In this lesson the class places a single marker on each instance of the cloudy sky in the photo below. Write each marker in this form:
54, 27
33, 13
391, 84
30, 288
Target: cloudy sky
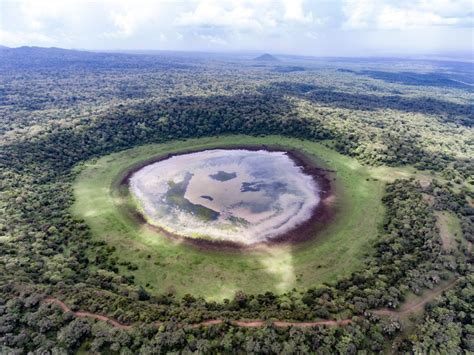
310, 27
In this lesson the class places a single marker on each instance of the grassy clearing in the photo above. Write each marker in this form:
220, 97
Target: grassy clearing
166, 265
449, 229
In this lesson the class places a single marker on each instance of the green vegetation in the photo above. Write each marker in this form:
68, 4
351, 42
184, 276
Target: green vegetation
401, 145
446, 326
175, 197
223, 176
166, 265
449, 229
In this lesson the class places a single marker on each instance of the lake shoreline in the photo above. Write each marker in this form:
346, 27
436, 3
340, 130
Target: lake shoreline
321, 215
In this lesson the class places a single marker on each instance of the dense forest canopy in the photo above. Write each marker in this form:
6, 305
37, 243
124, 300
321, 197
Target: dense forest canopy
60, 108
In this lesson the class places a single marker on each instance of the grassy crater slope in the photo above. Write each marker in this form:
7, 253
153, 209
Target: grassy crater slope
166, 265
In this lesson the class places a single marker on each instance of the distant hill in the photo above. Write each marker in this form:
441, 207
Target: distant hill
40, 57
47, 57
267, 58
288, 69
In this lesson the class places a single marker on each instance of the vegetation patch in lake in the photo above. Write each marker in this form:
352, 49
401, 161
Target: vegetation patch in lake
223, 176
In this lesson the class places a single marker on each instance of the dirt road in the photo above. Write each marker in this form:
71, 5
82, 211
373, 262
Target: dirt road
408, 307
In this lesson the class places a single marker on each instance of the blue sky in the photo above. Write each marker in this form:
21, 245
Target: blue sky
309, 27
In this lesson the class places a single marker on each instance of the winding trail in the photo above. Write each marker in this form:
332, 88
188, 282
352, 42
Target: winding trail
84, 314
407, 308
239, 323
417, 305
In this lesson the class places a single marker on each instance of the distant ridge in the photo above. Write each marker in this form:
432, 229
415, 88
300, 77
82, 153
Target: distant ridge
54, 58
267, 58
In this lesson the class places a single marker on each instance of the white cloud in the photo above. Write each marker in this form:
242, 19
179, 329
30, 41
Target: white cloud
214, 13
289, 26
358, 13
220, 22
121, 18
212, 39
37, 15
127, 22
313, 35
395, 18
401, 15
448, 8
129, 16
294, 11
258, 15
15, 39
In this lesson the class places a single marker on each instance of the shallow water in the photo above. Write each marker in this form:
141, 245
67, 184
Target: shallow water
234, 195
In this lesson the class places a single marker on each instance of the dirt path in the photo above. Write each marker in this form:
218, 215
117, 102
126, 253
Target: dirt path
408, 307
83, 314
330, 323
239, 323
415, 305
